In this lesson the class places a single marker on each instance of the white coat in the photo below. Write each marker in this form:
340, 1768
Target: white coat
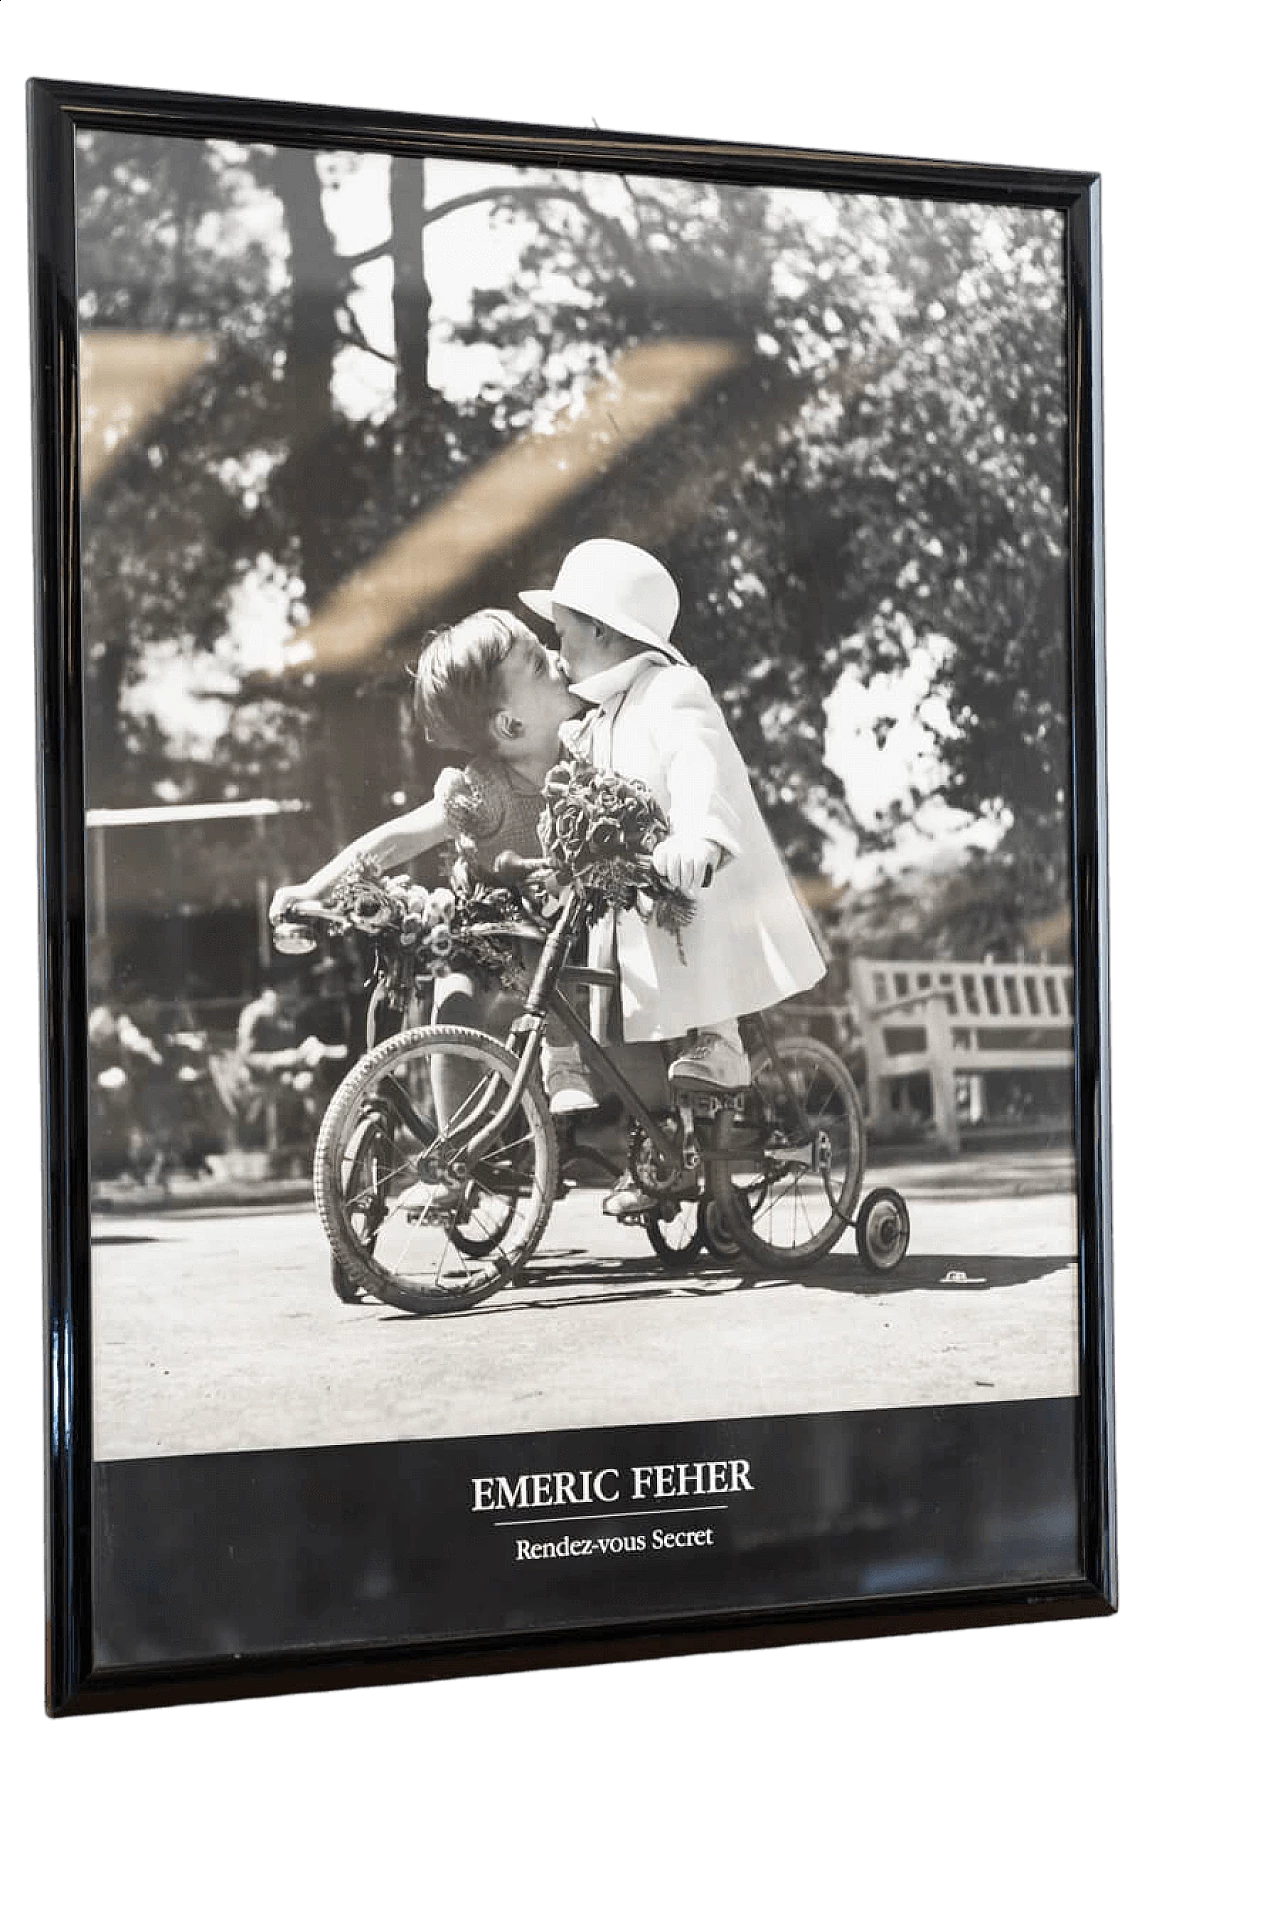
749, 944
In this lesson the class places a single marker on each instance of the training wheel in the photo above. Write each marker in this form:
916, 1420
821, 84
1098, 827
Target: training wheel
715, 1230
882, 1229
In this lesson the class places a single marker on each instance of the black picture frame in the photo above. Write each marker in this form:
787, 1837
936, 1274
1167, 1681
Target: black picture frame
235, 1492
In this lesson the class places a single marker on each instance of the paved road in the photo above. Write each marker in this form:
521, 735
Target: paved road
218, 1331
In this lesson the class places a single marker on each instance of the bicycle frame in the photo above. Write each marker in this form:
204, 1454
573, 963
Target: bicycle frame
727, 1151
543, 998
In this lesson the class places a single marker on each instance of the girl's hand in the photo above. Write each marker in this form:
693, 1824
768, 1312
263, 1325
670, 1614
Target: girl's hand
284, 899
685, 864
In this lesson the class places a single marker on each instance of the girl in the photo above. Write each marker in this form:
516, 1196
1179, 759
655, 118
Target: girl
487, 686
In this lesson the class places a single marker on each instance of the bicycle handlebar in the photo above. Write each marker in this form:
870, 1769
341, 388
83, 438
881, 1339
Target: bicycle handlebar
291, 932
308, 910
512, 870
664, 886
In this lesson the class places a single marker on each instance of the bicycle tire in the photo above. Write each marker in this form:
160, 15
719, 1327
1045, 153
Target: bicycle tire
362, 1144
883, 1230
746, 1207
717, 1239
457, 1280
675, 1255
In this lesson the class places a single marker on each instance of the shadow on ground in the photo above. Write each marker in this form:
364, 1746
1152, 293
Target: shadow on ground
543, 1286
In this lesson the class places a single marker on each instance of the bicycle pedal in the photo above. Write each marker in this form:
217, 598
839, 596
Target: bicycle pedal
704, 1103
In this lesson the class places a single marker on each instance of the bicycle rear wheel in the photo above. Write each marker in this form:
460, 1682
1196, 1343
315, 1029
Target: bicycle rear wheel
788, 1183
439, 1221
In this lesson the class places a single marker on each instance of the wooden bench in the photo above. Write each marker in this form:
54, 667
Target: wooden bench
955, 1018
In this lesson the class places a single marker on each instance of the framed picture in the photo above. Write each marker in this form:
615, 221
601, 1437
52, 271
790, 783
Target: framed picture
574, 874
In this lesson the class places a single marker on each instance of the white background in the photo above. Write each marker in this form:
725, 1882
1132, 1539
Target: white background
1102, 1767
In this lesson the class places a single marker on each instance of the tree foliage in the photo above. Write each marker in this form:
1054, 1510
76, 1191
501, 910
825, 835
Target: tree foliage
895, 474
917, 487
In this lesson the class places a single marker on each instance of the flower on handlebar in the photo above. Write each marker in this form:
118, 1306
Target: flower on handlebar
365, 904
422, 933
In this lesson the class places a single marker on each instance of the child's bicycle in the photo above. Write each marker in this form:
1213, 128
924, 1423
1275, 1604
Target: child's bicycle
434, 1219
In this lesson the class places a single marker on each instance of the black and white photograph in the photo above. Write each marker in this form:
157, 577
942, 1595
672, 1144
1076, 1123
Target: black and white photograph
343, 418
585, 716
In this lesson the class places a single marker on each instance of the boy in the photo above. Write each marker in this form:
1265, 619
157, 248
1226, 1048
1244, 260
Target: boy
653, 717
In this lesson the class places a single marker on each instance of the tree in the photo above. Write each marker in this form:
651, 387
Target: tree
916, 489
889, 472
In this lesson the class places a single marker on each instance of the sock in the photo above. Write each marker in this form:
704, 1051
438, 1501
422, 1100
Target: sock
726, 1030
566, 1056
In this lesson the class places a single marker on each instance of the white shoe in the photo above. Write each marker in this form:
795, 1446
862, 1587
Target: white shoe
566, 1082
433, 1204
710, 1060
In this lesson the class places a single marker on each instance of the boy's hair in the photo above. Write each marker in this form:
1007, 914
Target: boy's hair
457, 687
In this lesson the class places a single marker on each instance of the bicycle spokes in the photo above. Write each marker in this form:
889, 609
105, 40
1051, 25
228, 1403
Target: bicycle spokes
788, 1188
447, 1194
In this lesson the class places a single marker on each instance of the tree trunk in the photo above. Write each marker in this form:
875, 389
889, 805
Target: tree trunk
414, 421
318, 285
410, 300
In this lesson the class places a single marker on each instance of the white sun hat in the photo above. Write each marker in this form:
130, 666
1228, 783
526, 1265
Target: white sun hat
621, 586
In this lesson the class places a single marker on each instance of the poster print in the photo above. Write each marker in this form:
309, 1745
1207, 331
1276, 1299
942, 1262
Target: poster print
585, 1010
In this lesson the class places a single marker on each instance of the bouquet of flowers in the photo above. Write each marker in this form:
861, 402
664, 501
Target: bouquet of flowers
597, 831
430, 929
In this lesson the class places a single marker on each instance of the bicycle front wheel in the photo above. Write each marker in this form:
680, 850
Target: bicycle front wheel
361, 1188
445, 1211
785, 1183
